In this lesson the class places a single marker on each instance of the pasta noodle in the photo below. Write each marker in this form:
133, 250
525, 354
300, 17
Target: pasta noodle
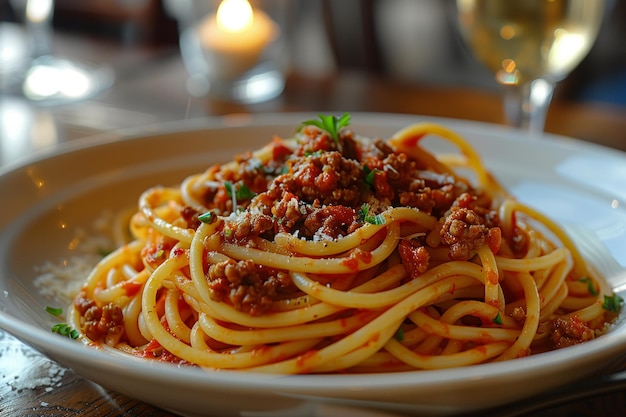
333, 252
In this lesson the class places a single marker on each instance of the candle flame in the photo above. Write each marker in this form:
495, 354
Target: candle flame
38, 10
234, 15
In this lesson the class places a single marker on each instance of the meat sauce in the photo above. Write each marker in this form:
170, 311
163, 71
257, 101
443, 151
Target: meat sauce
317, 190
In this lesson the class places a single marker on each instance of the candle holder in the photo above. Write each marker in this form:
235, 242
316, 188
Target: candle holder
234, 50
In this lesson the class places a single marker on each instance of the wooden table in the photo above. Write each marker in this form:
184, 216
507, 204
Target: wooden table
31, 384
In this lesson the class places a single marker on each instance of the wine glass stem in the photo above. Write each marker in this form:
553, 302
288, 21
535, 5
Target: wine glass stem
526, 105
38, 16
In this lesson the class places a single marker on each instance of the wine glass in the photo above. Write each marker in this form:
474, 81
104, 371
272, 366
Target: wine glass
43, 77
530, 45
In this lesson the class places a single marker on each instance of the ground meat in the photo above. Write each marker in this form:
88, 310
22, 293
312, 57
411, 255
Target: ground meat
330, 221
248, 223
321, 185
315, 191
376, 149
350, 149
480, 205
83, 303
405, 183
440, 191
414, 257
103, 321
328, 178
518, 314
312, 139
191, 217
520, 241
156, 253
288, 210
464, 231
253, 174
310, 221
569, 331
248, 287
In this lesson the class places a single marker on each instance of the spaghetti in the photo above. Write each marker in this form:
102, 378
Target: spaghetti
332, 252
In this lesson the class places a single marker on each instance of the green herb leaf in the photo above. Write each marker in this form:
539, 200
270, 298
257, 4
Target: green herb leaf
229, 188
364, 211
377, 219
208, 217
313, 153
330, 124
55, 311
240, 193
369, 175
590, 285
65, 330
244, 193
230, 191
612, 303
400, 334
365, 216
497, 319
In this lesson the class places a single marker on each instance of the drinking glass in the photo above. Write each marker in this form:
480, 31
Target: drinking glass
234, 50
41, 76
529, 45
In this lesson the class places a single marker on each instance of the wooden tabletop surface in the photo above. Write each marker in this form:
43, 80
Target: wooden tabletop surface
33, 385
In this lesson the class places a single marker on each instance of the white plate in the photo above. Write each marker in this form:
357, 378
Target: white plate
46, 198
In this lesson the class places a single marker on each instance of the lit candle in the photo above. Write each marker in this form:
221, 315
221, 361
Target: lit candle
235, 37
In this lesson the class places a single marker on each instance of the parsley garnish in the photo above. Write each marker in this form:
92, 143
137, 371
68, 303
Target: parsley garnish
497, 319
377, 219
369, 175
363, 212
238, 194
65, 330
62, 328
365, 216
590, 287
55, 311
229, 192
330, 124
244, 193
400, 334
612, 303
208, 217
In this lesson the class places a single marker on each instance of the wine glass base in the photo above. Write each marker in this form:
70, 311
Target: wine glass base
54, 81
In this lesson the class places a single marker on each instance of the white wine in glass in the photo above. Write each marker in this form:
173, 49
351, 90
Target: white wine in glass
529, 45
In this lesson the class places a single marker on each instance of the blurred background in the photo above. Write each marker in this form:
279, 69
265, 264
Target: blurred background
351, 55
